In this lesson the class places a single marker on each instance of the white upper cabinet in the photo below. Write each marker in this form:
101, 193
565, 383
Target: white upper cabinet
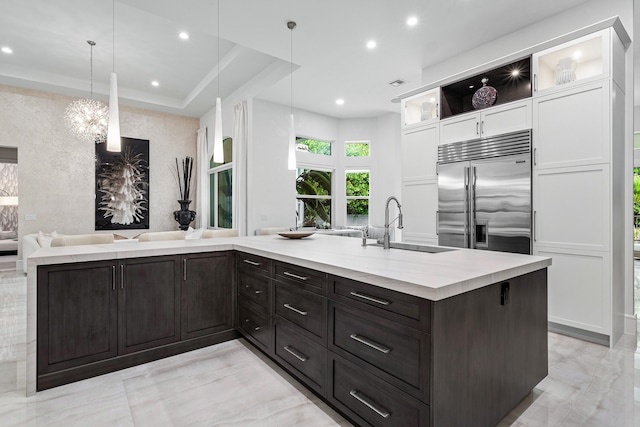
421, 108
497, 120
579, 61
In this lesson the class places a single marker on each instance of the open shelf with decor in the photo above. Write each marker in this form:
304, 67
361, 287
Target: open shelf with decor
501, 85
421, 108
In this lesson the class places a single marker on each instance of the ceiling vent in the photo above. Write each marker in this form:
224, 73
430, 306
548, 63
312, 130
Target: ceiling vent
397, 83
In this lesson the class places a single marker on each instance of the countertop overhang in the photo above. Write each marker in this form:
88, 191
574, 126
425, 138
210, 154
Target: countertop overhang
433, 276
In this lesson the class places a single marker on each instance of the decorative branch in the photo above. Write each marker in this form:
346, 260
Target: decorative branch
183, 178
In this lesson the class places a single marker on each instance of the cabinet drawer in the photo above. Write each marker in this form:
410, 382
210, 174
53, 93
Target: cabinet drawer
392, 348
402, 308
255, 288
310, 280
305, 309
372, 400
254, 323
254, 263
304, 355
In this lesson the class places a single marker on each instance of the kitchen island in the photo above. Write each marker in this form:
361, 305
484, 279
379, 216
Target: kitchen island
387, 337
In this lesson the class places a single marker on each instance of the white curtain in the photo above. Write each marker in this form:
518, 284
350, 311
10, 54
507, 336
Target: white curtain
203, 154
240, 140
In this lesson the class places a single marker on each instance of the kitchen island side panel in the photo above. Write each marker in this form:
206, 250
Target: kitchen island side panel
489, 350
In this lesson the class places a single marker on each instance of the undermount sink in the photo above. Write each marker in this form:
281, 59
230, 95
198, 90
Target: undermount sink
418, 248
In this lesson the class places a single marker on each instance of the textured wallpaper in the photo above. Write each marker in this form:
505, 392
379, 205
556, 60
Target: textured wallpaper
57, 171
8, 187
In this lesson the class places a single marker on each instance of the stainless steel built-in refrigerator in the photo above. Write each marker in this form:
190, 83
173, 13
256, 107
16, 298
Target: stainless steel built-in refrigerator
484, 193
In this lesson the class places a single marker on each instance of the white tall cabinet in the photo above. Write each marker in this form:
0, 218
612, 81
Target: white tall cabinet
576, 112
578, 173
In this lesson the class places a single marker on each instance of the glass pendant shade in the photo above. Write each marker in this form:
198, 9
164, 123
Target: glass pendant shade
218, 150
87, 120
291, 164
113, 134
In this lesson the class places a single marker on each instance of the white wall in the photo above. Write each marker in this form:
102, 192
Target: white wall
56, 172
271, 192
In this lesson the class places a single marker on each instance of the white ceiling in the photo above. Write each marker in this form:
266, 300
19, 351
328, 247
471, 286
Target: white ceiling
48, 39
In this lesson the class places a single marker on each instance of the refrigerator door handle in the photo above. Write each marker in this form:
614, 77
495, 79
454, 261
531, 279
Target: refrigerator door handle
437, 223
472, 207
466, 207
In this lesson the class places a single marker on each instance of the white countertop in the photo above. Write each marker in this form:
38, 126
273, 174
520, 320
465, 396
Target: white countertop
431, 276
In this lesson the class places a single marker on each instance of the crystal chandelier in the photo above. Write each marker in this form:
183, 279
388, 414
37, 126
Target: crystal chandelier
87, 119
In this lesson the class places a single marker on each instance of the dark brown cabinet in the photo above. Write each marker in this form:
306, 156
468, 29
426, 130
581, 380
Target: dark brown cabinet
148, 303
77, 315
97, 317
255, 292
206, 293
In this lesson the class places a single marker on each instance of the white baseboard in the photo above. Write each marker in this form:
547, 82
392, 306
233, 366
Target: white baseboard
630, 324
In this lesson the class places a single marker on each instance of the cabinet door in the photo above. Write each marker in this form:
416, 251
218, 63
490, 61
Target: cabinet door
571, 208
579, 289
572, 127
77, 315
419, 208
460, 128
576, 62
148, 303
420, 153
206, 293
506, 118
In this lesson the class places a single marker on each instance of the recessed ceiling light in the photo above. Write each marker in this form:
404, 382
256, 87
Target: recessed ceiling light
577, 54
371, 44
155, 83
470, 86
340, 101
6, 49
412, 21
515, 72
183, 35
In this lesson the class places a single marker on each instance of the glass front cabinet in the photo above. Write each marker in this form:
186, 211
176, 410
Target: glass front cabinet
579, 61
421, 108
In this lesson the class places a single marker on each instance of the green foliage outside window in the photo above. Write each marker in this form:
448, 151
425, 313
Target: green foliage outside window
315, 212
357, 149
636, 203
314, 146
357, 185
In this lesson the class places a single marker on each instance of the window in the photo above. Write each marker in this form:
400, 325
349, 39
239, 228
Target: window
314, 146
221, 189
357, 195
313, 207
357, 149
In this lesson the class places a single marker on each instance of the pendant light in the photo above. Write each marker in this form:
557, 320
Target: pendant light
113, 134
291, 163
87, 118
218, 149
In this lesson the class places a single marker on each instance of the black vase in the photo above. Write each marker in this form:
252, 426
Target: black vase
184, 216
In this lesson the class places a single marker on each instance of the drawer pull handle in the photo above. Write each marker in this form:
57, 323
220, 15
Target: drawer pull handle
113, 277
248, 261
248, 322
295, 354
371, 344
295, 276
362, 399
300, 312
368, 298
255, 291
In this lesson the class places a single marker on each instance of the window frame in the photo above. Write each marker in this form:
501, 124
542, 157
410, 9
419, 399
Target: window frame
213, 191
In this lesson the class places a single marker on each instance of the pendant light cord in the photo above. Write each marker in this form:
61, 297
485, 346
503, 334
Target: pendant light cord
291, 68
91, 67
218, 49
113, 16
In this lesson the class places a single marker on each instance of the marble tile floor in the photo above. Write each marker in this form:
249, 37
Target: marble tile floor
231, 384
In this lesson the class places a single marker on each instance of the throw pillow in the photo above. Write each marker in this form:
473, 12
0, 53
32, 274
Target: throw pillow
44, 239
